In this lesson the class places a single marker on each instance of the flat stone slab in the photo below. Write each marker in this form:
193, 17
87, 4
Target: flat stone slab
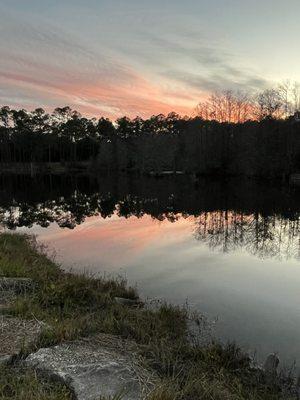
101, 366
15, 334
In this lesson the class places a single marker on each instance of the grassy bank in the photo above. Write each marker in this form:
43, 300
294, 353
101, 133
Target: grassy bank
74, 306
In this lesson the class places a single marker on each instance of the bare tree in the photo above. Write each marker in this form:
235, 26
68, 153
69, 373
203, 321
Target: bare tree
295, 97
284, 90
270, 104
226, 106
290, 97
238, 107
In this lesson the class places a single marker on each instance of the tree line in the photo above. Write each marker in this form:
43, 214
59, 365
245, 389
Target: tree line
230, 133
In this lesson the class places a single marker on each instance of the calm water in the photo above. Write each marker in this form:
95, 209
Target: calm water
232, 249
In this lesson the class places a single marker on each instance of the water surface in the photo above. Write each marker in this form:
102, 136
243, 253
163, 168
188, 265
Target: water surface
230, 248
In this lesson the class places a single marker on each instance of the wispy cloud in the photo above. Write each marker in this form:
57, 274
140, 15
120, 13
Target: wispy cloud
39, 63
203, 66
121, 65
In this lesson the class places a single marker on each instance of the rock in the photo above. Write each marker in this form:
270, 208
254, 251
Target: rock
129, 302
271, 365
16, 285
15, 334
5, 360
101, 366
11, 287
6, 298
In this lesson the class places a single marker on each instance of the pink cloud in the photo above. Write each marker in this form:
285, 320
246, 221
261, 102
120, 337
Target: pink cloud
120, 91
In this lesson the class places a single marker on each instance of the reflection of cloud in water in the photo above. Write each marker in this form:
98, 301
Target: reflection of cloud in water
264, 236
115, 241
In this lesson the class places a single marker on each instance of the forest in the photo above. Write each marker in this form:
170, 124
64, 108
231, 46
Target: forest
230, 133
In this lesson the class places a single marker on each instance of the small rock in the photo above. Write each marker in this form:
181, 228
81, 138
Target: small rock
128, 302
271, 364
4, 360
15, 334
101, 366
10, 288
16, 285
6, 299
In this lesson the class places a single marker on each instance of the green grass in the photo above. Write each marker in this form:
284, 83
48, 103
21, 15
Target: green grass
76, 305
20, 384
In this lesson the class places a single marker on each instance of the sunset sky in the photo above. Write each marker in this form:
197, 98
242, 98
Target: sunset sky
142, 57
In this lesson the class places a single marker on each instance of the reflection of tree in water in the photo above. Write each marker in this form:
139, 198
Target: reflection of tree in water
264, 236
67, 213
263, 220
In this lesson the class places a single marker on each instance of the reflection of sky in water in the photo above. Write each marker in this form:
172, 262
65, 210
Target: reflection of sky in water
256, 300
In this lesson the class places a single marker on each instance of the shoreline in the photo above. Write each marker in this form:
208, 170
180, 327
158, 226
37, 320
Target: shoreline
73, 307
92, 167
45, 168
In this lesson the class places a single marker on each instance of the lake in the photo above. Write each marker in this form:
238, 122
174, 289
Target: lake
231, 249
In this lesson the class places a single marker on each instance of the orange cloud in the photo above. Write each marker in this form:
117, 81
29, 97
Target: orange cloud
112, 94
115, 241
